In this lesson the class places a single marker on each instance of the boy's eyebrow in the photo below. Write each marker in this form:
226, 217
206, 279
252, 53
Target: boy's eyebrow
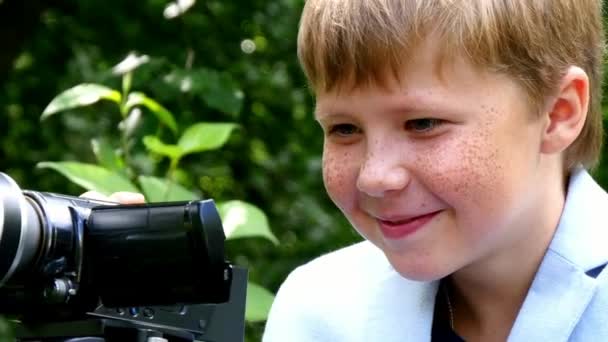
422, 103
414, 101
400, 104
405, 107
397, 109
319, 117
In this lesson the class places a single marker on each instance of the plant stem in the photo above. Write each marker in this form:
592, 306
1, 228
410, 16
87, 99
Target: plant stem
127, 79
169, 177
124, 142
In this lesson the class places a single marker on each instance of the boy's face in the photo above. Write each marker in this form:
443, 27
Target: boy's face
438, 171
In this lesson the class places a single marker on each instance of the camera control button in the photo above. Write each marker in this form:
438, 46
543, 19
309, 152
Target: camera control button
134, 312
148, 313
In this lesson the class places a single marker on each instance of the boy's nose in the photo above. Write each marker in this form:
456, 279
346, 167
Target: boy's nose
378, 177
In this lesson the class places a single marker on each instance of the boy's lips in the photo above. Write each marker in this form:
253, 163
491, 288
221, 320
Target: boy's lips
399, 227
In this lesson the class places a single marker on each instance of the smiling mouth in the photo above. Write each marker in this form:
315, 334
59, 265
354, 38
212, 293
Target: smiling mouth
398, 229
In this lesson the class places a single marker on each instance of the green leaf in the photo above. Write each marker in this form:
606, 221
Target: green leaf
106, 155
163, 115
91, 177
154, 144
6, 329
162, 190
242, 219
79, 96
220, 91
205, 136
259, 301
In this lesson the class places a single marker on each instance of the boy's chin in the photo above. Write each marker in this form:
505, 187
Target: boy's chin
420, 271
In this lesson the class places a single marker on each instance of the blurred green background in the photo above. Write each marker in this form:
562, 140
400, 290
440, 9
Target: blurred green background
239, 55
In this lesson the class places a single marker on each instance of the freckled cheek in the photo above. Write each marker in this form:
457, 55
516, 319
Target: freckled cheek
339, 176
467, 175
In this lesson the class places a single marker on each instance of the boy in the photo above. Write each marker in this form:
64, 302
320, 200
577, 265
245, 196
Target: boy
456, 139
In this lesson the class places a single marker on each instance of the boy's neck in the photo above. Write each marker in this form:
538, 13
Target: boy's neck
488, 295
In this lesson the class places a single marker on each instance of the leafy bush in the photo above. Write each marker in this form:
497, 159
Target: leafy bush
115, 170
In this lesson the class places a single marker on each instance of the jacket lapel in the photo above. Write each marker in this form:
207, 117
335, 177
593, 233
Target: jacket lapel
555, 302
566, 280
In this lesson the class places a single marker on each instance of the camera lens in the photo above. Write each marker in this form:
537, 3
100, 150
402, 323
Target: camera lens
20, 230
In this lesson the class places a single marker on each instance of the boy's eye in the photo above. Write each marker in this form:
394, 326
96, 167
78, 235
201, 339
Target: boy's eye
344, 129
422, 125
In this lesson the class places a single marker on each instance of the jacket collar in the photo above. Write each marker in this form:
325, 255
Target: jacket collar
566, 280
402, 310
581, 237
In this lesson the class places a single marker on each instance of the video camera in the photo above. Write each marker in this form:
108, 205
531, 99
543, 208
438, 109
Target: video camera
75, 269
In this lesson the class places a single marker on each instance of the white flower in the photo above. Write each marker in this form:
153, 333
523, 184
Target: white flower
130, 63
177, 8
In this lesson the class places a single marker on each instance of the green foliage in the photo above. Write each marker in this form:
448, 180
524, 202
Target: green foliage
199, 137
106, 156
259, 301
219, 61
163, 115
217, 89
240, 219
158, 190
80, 95
91, 177
6, 333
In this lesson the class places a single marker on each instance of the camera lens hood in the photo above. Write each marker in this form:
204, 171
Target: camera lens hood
19, 226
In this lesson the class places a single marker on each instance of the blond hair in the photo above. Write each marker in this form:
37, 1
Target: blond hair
356, 42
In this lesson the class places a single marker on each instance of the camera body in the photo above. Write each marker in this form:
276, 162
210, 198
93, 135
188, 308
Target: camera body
69, 259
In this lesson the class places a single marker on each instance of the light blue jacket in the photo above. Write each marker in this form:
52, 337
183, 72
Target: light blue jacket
354, 295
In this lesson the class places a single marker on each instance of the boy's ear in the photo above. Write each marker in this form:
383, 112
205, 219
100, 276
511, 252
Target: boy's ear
567, 112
